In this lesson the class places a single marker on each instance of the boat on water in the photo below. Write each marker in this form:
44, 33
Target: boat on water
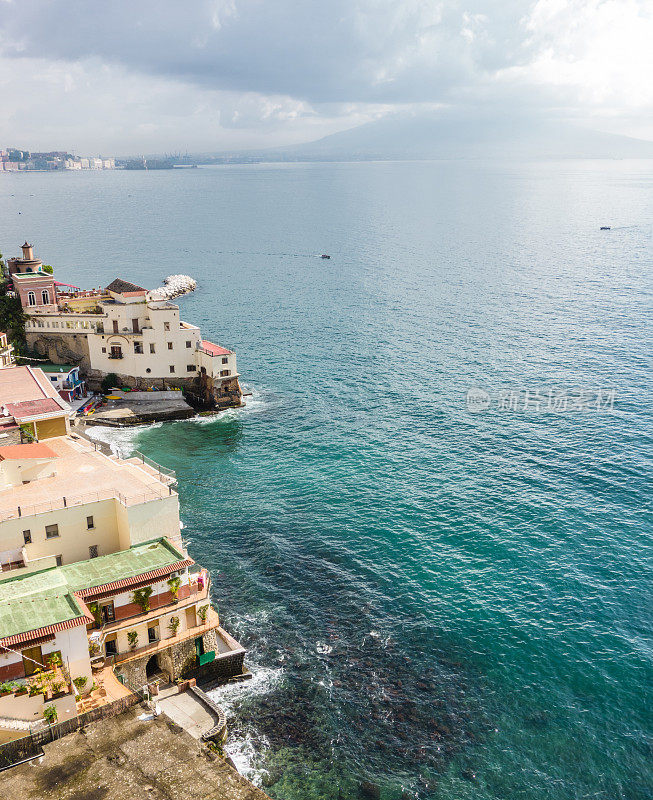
605, 227
324, 255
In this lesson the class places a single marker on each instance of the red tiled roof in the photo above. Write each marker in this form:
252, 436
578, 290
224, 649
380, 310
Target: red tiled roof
47, 631
19, 451
106, 589
32, 408
214, 349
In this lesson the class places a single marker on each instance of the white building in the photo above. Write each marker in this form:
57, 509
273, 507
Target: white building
120, 331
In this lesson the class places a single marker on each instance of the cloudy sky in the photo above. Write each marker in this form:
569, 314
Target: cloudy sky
131, 76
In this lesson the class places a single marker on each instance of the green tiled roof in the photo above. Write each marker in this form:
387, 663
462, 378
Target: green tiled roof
38, 599
124, 564
26, 605
63, 368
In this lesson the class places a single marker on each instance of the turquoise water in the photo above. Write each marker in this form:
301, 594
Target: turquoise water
443, 603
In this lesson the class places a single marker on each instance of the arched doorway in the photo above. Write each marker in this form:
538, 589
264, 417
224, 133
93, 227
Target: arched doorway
152, 669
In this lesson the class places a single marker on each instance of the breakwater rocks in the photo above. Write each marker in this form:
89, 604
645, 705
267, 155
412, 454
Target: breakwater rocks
173, 286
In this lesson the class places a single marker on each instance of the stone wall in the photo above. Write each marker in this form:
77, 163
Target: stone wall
71, 348
218, 392
180, 661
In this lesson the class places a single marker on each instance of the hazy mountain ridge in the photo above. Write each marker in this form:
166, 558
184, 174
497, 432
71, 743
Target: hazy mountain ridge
410, 138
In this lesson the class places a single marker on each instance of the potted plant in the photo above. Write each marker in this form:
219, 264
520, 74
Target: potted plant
79, 683
202, 613
173, 625
53, 660
93, 648
50, 714
57, 689
132, 639
174, 584
5, 688
142, 598
94, 608
21, 689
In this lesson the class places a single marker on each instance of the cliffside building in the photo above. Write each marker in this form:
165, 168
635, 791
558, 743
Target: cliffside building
6, 352
119, 330
95, 577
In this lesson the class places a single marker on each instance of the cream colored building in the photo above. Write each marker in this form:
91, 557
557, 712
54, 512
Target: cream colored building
63, 501
144, 342
6, 352
94, 572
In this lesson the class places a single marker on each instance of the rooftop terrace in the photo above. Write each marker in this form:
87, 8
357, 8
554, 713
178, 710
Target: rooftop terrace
84, 475
46, 598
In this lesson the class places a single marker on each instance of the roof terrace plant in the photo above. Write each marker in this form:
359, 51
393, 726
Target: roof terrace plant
142, 598
174, 584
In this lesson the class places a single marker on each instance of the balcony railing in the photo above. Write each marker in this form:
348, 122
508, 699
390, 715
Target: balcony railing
82, 499
150, 463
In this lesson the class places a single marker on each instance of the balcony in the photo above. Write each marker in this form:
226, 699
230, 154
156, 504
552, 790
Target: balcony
197, 593
212, 622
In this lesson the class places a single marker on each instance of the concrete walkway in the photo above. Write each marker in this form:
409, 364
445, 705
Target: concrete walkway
187, 711
124, 758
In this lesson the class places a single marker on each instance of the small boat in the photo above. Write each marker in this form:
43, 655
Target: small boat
605, 227
324, 255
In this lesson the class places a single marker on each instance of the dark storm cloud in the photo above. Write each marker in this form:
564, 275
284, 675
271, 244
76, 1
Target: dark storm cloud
362, 51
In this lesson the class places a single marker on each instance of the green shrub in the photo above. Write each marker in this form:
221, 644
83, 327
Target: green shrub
108, 382
142, 598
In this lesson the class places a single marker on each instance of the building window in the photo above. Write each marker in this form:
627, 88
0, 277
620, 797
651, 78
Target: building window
111, 646
45, 297
189, 344
116, 351
104, 349
169, 345
59, 561
190, 367
224, 373
172, 369
31, 299
152, 349
89, 523
51, 531
115, 325
225, 360
153, 634
27, 537
92, 551
166, 326
138, 347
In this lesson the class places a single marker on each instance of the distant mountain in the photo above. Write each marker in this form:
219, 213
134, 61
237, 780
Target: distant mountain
430, 137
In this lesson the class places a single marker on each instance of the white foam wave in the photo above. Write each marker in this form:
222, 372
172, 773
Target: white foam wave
247, 748
248, 752
122, 441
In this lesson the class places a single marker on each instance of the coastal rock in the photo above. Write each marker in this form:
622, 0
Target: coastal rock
173, 286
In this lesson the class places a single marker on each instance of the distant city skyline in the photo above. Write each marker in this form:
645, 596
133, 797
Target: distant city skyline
237, 74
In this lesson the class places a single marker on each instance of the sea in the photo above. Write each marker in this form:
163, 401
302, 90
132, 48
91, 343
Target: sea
430, 525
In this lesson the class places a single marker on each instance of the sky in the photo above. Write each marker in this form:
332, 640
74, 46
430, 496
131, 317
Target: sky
152, 76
